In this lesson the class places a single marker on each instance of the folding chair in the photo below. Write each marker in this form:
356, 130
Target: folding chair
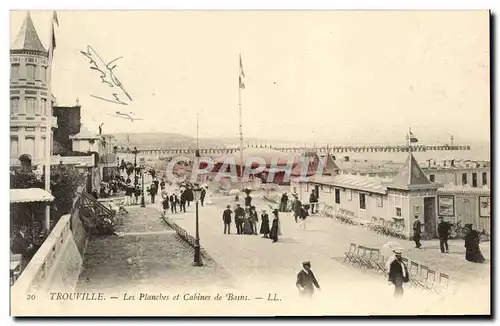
430, 280
413, 271
364, 257
350, 254
422, 277
375, 259
444, 280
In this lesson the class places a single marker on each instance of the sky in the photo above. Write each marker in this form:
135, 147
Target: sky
335, 76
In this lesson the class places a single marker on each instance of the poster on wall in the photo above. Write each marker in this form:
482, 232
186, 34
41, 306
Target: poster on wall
446, 205
484, 206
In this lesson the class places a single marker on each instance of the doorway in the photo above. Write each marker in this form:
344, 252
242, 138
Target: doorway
430, 216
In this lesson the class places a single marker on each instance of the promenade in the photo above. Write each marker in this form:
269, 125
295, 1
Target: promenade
257, 263
146, 256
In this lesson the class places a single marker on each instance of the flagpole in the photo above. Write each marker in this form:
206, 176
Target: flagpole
241, 124
408, 139
48, 129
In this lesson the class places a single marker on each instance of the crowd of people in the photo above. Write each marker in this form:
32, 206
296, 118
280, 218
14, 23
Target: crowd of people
246, 220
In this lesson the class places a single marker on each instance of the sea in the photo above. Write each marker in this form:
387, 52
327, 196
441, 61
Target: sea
476, 153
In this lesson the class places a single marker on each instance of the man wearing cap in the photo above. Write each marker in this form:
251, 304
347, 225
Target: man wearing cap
398, 273
306, 281
226, 218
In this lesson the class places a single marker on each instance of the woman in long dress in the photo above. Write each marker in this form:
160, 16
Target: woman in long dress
247, 224
275, 227
472, 250
264, 225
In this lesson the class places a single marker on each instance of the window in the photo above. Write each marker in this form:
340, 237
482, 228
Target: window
14, 71
337, 196
349, 194
30, 71
474, 179
30, 105
44, 74
398, 212
44, 146
362, 201
14, 147
464, 178
432, 178
43, 106
14, 105
485, 179
380, 201
30, 146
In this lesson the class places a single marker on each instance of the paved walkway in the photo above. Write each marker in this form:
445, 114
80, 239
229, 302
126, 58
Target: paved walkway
145, 255
261, 266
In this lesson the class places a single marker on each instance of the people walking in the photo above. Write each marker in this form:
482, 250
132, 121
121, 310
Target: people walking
443, 233
472, 250
183, 201
417, 230
202, 195
173, 202
248, 200
275, 227
254, 219
304, 213
226, 218
247, 222
398, 273
153, 190
313, 200
264, 225
283, 202
306, 281
165, 204
297, 209
239, 216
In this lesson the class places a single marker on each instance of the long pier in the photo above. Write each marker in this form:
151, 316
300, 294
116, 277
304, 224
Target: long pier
299, 150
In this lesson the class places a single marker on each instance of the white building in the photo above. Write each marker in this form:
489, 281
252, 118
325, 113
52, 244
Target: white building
30, 103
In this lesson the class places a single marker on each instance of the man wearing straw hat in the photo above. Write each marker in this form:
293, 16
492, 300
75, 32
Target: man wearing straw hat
398, 273
306, 281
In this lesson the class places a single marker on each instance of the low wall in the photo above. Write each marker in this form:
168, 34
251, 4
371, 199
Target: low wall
54, 268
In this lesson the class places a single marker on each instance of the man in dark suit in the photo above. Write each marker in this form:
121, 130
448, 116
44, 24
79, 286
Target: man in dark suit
443, 233
226, 217
239, 215
202, 195
306, 281
183, 200
21, 245
398, 273
417, 232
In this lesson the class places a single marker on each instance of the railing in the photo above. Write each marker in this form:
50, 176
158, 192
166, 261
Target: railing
183, 236
40, 269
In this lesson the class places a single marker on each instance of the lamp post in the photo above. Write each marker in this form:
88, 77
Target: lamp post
135, 152
143, 202
197, 253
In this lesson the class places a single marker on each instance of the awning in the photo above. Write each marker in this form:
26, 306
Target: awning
30, 195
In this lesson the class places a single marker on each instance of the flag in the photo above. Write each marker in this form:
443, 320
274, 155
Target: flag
413, 139
242, 75
55, 20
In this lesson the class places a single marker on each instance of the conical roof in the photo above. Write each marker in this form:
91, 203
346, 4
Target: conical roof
28, 39
411, 176
331, 168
